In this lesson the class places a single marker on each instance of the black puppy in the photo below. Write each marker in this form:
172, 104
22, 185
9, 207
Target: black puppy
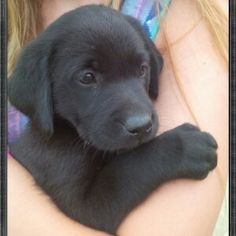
86, 84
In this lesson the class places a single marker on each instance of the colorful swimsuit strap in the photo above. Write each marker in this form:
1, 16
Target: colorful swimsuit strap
148, 12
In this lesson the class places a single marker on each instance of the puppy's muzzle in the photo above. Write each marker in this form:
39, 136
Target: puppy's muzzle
139, 124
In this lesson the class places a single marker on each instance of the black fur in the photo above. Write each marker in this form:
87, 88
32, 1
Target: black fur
77, 145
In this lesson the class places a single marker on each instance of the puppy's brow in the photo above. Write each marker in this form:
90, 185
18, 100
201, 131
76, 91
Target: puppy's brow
91, 64
141, 57
144, 57
94, 65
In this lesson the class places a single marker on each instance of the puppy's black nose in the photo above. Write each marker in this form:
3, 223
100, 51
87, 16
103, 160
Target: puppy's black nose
139, 124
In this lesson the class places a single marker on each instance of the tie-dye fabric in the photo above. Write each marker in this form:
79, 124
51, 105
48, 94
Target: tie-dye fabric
148, 12
16, 123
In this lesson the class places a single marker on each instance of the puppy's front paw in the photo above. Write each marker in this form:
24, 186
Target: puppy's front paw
195, 151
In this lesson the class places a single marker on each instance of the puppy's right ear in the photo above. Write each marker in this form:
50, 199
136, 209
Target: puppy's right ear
29, 87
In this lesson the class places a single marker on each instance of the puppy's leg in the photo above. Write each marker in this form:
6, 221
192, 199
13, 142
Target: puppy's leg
184, 152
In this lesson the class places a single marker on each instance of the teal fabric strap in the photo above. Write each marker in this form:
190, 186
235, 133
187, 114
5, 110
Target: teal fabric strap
148, 12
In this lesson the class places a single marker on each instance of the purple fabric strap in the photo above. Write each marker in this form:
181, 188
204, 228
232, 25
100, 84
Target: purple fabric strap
16, 123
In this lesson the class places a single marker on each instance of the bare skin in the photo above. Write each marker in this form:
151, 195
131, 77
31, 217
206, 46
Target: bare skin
182, 207
31, 212
186, 207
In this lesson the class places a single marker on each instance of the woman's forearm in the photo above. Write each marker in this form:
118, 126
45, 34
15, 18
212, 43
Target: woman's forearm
31, 212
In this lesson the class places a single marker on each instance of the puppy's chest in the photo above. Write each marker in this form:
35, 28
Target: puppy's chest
62, 160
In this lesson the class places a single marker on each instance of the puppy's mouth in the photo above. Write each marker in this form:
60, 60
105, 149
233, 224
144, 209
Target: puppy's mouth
120, 141
119, 147
129, 148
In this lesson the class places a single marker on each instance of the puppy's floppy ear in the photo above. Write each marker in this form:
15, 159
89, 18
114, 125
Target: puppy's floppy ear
156, 59
29, 87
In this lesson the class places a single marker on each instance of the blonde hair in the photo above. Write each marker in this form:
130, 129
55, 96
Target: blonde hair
217, 21
24, 24
22, 28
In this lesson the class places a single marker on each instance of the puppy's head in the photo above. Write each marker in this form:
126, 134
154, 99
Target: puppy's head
96, 69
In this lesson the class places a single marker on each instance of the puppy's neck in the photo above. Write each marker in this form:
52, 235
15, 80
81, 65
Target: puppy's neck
64, 130
63, 126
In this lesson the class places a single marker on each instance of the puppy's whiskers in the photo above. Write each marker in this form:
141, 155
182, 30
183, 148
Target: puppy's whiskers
76, 141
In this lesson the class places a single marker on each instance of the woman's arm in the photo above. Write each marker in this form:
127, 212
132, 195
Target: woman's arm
181, 207
31, 212
186, 207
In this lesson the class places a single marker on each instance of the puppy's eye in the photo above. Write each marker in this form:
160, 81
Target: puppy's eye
143, 70
87, 79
